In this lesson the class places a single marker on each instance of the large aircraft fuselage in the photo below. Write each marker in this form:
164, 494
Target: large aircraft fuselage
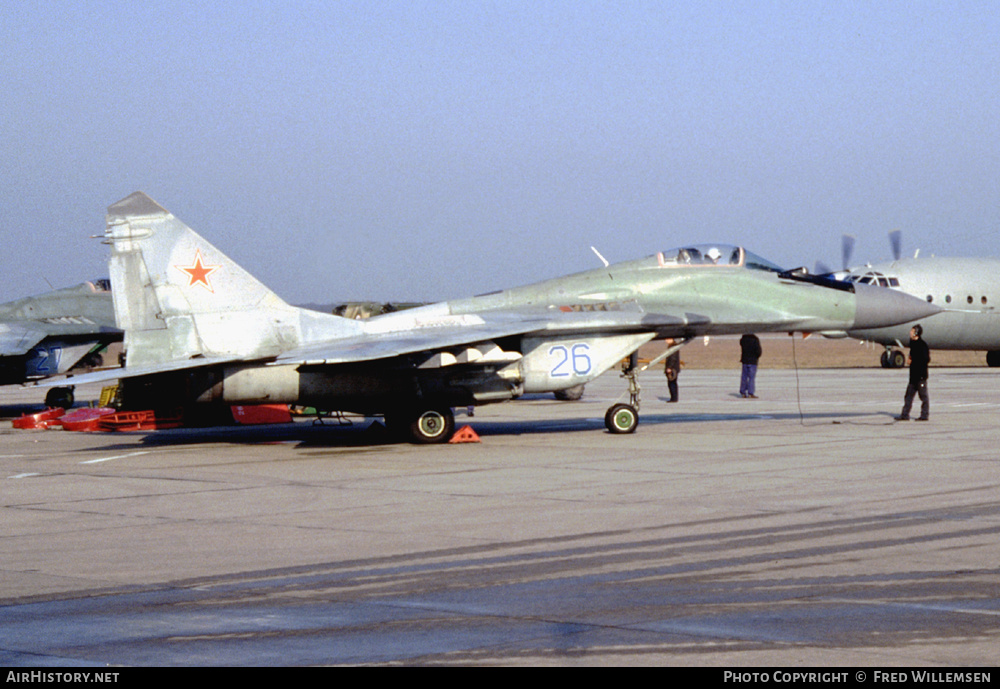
968, 289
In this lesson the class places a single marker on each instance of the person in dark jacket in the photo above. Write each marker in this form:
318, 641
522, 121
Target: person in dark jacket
920, 357
750, 352
672, 369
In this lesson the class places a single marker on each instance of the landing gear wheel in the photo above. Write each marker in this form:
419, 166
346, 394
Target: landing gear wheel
897, 359
570, 394
621, 418
435, 425
993, 358
884, 360
60, 397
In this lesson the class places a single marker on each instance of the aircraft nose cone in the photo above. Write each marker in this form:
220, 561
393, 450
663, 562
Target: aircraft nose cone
880, 307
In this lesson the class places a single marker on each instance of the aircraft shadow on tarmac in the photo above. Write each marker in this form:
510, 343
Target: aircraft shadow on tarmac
364, 432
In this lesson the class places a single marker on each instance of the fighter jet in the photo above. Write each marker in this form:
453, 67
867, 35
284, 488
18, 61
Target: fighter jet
968, 289
200, 329
52, 333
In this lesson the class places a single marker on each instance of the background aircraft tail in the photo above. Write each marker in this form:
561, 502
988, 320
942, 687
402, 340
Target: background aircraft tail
177, 297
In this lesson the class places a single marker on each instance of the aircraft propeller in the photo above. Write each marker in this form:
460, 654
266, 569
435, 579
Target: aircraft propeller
846, 249
896, 242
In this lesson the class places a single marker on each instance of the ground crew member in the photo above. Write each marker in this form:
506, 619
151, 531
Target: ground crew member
672, 369
750, 352
920, 357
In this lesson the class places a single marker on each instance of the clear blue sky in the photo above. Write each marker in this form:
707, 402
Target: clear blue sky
427, 150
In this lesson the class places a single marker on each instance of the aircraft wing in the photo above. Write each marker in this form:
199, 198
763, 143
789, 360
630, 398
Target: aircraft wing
373, 345
427, 335
136, 371
17, 338
430, 335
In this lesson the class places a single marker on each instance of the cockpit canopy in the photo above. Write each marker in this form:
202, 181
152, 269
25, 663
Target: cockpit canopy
873, 277
715, 255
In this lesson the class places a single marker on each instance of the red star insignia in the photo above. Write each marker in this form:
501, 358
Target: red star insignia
199, 272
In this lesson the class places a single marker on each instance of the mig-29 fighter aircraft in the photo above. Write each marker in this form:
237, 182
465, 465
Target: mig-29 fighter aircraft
199, 328
52, 333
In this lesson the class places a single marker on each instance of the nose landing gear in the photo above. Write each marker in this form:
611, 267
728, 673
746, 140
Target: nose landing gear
621, 417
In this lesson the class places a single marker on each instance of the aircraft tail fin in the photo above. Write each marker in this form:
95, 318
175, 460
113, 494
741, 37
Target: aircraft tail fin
178, 297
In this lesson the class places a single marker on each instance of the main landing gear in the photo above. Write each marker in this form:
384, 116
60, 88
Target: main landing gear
621, 417
572, 394
893, 358
424, 425
60, 397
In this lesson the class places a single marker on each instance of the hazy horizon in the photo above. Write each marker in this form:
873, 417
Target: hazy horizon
418, 151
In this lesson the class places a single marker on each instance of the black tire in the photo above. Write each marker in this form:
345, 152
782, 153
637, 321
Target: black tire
60, 397
897, 359
993, 358
621, 418
884, 360
431, 426
570, 394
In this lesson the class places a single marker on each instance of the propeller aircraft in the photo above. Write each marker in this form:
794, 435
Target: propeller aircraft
966, 288
200, 329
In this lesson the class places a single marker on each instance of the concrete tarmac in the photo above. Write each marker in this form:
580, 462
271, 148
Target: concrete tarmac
804, 528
